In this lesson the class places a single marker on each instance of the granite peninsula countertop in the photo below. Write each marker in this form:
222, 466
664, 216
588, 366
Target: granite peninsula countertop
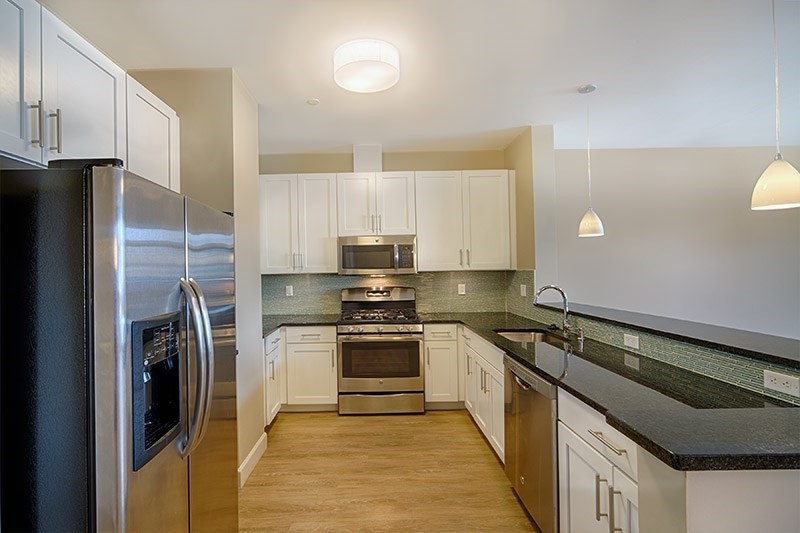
688, 421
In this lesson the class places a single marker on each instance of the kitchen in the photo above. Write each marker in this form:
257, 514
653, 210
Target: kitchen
697, 233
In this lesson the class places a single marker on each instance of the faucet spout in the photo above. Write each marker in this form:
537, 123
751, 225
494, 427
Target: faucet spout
565, 324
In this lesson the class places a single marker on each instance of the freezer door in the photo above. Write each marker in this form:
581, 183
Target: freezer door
137, 261
213, 463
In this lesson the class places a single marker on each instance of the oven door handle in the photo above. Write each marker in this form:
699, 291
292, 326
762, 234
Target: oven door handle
379, 337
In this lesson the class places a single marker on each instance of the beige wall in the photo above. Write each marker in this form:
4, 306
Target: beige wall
250, 362
305, 163
681, 240
519, 157
203, 100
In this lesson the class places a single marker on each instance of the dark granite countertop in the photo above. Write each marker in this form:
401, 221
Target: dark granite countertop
688, 421
771, 348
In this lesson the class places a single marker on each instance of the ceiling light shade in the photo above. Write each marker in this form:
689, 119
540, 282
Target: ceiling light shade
591, 225
777, 188
366, 66
779, 184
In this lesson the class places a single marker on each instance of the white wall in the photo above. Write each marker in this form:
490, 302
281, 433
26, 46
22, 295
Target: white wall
250, 363
681, 240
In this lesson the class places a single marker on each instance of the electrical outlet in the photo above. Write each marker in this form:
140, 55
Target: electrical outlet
782, 383
631, 361
631, 341
290, 290
523, 290
462, 288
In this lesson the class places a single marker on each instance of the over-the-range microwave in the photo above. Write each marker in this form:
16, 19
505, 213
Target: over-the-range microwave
378, 254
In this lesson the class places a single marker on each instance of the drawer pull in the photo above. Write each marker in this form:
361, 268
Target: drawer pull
441, 333
310, 334
597, 481
599, 436
276, 341
611, 518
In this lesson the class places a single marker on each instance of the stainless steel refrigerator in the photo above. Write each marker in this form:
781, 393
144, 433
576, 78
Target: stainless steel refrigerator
118, 361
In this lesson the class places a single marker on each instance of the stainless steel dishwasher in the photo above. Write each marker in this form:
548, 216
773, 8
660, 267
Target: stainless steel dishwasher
530, 417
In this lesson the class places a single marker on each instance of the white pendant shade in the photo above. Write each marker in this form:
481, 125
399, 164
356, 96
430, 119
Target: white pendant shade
591, 225
366, 66
777, 188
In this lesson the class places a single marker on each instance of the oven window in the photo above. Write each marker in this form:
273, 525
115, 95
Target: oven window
372, 256
394, 359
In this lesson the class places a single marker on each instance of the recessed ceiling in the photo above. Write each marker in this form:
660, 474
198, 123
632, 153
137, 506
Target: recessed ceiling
670, 73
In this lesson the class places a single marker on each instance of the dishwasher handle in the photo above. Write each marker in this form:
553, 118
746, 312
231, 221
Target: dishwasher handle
522, 384
530, 381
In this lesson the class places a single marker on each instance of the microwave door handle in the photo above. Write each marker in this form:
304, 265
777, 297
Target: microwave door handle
209, 338
396, 256
201, 374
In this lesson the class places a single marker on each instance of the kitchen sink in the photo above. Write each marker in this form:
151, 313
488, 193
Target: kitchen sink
532, 336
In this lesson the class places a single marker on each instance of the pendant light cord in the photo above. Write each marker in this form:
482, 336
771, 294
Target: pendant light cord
588, 154
777, 94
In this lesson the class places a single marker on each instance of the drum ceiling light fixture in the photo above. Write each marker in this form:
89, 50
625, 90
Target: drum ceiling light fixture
366, 66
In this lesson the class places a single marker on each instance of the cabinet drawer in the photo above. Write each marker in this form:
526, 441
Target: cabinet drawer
591, 426
440, 332
487, 350
306, 334
272, 342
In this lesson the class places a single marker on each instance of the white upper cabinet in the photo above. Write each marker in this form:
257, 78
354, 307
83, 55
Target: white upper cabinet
153, 137
83, 94
379, 203
487, 239
298, 223
463, 220
21, 117
439, 221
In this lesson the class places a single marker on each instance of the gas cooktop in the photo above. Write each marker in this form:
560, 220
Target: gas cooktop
385, 316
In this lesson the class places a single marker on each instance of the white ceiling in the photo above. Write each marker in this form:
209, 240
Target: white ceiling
670, 72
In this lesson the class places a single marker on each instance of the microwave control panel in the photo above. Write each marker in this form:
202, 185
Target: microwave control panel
405, 253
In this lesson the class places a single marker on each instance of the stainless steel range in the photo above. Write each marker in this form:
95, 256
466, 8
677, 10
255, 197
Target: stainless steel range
380, 352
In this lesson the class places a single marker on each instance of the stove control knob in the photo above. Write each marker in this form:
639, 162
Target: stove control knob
351, 329
361, 329
380, 329
400, 328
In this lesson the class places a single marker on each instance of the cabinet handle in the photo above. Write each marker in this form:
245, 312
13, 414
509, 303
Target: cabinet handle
333, 359
611, 518
597, 481
461, 257
272, 370
57, 116
40, 115
428, 349
468, 263
302, 260
440, 333
599, 436
483, 380
372, 222
469, 373
276, 341
294, 264
380, 224
310, 335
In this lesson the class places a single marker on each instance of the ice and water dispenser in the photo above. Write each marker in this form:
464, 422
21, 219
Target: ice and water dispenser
155, 355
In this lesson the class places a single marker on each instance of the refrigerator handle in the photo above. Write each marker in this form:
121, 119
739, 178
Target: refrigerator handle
209, 353
200, 341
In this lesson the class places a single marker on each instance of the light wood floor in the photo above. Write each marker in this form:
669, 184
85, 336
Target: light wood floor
432, 472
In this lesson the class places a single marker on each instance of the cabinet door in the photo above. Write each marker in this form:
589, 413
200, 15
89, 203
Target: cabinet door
21, 86
278, 223
441, 371
497, 425
487, 238
153, 137
316, 230
396, 206
272, 385
84, 96
356, 203
439, 221
626, 503
471, 382
311, 373
584, 477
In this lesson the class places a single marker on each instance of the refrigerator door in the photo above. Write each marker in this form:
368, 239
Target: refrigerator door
213, 463
137, 262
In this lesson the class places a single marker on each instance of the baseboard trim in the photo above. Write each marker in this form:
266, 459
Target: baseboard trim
250, 462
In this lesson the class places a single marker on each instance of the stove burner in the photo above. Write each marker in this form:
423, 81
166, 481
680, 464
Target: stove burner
380, 315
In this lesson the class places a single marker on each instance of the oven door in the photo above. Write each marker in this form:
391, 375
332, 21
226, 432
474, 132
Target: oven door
380, 363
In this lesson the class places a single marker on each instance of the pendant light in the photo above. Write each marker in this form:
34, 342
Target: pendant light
779, 184
590, 225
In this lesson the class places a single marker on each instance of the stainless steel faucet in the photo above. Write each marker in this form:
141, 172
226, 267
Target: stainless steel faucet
565, 325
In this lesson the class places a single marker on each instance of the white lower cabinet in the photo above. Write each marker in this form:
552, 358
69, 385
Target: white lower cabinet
625, 503
273, 375
441, 363
484, 385
311, 375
